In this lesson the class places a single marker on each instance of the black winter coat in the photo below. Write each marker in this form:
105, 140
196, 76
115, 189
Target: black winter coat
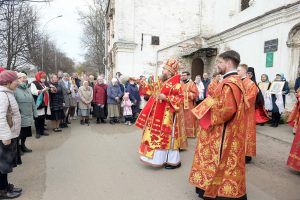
56, 99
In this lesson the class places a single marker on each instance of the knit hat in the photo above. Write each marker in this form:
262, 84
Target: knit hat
7, 76
21, 75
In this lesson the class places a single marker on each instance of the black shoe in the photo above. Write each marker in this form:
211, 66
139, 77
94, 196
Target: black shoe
248, 159
37, 136
45, 134
273, 125
103, 121
112, 122
68, 122
172, 167
63, 125
12, 188
21, 153
81, 122
4, 194
98, 122
25, 149
115, 120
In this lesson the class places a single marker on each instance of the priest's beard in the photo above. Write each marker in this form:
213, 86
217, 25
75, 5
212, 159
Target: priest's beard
164, 77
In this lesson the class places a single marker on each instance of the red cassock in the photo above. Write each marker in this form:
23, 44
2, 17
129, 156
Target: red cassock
212, 88
251, 93
218, 168
261, 115
190, 92
294, 157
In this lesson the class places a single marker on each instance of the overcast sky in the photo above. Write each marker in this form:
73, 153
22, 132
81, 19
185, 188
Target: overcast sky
65, 31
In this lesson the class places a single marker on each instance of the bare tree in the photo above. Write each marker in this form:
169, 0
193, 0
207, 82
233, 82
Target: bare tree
94, 34
21, 41
54, 58
16, 20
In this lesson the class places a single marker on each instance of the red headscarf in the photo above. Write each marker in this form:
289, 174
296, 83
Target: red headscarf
40, 75
2, 69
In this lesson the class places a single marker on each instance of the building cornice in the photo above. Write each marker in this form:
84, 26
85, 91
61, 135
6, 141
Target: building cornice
269, 19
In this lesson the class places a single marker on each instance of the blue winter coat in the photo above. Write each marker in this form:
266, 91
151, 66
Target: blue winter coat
113, 91
134, 96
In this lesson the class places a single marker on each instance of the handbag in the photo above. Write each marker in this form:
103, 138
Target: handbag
9, 114
39, 100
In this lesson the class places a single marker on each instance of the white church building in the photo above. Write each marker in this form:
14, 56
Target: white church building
141, 35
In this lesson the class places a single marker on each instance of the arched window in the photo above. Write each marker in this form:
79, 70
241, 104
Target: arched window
245, 4
294, 44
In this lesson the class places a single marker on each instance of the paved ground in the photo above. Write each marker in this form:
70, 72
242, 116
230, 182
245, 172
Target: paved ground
101, 162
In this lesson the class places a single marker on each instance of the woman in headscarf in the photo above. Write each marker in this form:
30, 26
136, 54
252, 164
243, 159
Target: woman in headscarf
264, 84
100, 100
278, 102
86, 98
201, 88
114, 95
73, 99
38, 88
260, 112
27, 109
56, 102
10, 126
134, 97
286, 88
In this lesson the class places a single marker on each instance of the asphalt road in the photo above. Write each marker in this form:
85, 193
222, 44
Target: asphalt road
101, 162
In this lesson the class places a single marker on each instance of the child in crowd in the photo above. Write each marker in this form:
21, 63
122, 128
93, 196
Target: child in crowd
127, 111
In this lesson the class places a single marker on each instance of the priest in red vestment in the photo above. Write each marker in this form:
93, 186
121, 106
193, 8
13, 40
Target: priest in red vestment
159, 120
190, 93
251, 91
218, 170
294, 157
216, 79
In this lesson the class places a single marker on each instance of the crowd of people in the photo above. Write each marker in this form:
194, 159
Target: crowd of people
59, 98
169, 109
